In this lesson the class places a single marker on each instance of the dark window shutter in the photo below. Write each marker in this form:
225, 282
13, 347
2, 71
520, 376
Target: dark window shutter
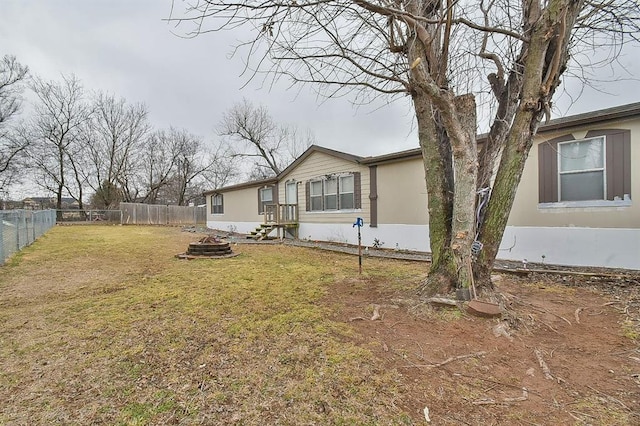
618, 161
260, 200
373, 196
307, 195
357, 191
548, 169
221, 204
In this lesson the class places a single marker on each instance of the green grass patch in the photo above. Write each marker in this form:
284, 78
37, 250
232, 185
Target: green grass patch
105, 325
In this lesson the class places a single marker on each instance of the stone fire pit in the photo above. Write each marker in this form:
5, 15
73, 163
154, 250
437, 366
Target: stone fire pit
209, 247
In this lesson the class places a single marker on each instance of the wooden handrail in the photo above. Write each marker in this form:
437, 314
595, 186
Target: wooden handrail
281, 214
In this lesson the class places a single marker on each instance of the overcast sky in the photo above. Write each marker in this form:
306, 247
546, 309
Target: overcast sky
124, 47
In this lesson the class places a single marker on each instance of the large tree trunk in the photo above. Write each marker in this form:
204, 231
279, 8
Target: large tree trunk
436, 154
544, 62
465, 166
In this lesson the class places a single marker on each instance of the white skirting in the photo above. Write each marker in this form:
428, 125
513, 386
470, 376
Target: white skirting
599, 247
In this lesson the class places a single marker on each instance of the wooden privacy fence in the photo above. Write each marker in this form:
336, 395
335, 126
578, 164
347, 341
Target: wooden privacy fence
153, 214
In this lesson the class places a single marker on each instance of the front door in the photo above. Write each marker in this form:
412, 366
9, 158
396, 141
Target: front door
291, 199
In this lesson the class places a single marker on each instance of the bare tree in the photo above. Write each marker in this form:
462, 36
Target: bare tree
448, 56
118, 132
12, 144
158, 164
193, 166
254, 135
223, 168
176, 165
55, 131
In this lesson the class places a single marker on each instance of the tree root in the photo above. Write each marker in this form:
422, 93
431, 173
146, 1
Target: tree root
450, 360
487, 401
545, 368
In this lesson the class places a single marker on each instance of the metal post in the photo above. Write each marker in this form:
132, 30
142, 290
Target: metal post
359, 223
18, 230
1, 239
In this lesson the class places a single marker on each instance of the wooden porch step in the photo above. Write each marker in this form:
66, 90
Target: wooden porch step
261, 232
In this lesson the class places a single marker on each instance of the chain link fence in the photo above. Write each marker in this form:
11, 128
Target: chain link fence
152, 214
19, 228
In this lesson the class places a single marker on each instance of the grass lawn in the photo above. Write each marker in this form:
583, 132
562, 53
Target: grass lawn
102, 325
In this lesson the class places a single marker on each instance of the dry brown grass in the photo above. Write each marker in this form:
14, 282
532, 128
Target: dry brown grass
103, 325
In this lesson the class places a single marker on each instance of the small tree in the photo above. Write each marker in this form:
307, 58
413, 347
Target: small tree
108, 196
447, 56
254, 135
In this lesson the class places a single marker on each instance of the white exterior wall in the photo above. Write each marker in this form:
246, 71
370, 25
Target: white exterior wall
240, 211
600, 247
230, 226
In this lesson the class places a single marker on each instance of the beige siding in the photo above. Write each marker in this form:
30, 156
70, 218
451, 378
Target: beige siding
527, 212
402, 193
240, 205
319, 164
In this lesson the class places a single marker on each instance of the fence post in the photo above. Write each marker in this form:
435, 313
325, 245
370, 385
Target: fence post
2, 239
17, 219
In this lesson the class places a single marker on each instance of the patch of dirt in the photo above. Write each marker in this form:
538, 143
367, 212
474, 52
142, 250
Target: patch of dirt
565, 352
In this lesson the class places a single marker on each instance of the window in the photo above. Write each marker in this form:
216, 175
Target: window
594, 171
265, 196
291, 193
217, 206
315, 195
581, 170
335, 192
331, 194
346, 192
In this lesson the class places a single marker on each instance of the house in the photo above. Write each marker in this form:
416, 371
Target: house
574, 205
42, 203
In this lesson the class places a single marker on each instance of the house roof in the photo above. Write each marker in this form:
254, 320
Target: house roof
293, 165
394, 156
67, 200
316, 148
593, 117
250, 184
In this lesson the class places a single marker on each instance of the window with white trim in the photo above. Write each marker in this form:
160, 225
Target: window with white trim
217, 205
581, 170
347, 195
331, 194
265, 196
334, 192
315, 195
594, 171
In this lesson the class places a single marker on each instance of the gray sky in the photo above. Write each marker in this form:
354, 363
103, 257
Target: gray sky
123, 47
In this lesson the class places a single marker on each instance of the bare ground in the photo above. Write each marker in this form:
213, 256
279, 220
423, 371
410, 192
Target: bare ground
108, 328
582, 332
